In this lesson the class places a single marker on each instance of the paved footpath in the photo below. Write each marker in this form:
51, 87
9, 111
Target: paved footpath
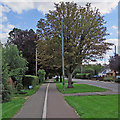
49, 104
33, 108
92, 93
57, 106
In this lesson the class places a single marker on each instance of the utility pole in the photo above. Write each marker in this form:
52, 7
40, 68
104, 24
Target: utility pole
115, 50
115, 62
36, 63
63, 57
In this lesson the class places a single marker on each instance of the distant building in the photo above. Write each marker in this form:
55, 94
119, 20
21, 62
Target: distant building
107, 72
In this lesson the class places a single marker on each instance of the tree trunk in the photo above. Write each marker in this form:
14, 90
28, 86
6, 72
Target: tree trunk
46, 76
60, 78
115, 76
70, 80
57, 79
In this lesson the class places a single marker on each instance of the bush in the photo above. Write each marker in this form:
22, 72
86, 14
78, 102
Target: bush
17, 65
30, 80
108, 79
6, 93
117, 80
19, 87
83, 75
41, 75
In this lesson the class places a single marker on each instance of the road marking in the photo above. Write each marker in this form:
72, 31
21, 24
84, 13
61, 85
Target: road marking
45, 103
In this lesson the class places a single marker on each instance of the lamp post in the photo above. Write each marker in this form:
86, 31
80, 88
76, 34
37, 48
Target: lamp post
115, 62
63, 57
36, 63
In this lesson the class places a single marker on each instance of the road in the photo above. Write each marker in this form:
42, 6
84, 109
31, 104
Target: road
108, 85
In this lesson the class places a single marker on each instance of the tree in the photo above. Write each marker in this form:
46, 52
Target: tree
49, 57
84, 35
114, 63
25, 41
13, 60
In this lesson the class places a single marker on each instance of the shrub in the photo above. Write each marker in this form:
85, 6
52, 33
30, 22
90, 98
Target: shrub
108, 79
117, 80
29, 80
41, 75
6, 93
12, 57
6, 88
83, 76
19, 87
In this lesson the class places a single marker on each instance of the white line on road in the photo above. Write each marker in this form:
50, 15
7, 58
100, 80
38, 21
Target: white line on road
45, 103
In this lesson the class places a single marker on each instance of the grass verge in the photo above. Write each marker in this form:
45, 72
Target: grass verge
79, 88
66, 81
95, 106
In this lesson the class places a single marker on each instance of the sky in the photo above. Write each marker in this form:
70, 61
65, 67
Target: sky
25, 15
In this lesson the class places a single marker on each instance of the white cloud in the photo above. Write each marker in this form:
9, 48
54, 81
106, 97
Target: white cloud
5, 9
114, 27
111, 33
19, 6
109, 53
5, 29
3, 37
105, 6
4, 19
44, 6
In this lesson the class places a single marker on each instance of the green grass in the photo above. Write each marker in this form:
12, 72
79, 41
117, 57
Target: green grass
95, 106
79, 88
12, 107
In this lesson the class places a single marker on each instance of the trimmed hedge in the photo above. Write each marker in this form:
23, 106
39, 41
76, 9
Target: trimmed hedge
117, 80
83, 75
41, 75
30, 80
108, 79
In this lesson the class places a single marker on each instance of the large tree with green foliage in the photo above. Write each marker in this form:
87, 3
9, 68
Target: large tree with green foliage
25, 41
84, 36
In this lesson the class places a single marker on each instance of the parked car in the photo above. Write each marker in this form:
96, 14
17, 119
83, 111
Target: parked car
118, 77
95, 77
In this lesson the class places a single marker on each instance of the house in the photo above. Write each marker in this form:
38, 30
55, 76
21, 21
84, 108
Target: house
107, 72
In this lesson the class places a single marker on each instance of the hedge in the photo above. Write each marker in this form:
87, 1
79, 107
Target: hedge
108, 79
30, 80
41, 75
83, 75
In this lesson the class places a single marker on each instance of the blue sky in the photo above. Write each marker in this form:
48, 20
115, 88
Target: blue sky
26, 20
24, 15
